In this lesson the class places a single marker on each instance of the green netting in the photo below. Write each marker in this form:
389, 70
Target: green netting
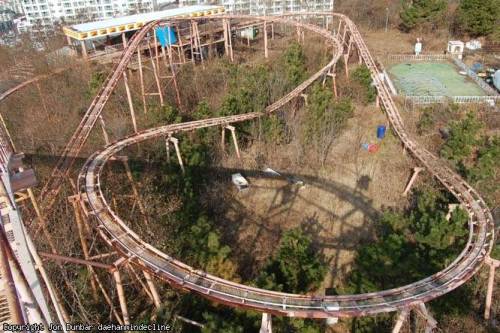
432, 79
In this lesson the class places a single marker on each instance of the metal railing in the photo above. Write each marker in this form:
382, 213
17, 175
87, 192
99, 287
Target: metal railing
475, 77
418, 100
420, 57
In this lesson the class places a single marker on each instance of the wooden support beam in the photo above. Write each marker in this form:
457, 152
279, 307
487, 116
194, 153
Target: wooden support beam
138, 279
124, 40
304, 96
152, 288
157, 57
430, 322
155, 73
228, 43
178, 152
346, 66
232, 129
196, 41
266, 53
130, 102
403, 314
182, 56
223, 139
266, 323
191, 42
135, 192
175, 142
84, 49
334, 84
121, 296
58, 257
189, 321
173, 75
416, 171
42, 223
103, 255
225, 33
167, 147
344, 34
103, 127
346, 57
235, 141
494, 264
107, 298
84, 245
141, 79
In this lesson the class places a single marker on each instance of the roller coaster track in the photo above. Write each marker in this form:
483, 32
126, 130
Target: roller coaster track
130, 245
115, 231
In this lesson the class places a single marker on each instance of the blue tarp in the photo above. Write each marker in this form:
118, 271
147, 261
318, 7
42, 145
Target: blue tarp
166, 36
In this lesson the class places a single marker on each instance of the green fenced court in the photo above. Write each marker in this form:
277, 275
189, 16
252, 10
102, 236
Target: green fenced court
432, 79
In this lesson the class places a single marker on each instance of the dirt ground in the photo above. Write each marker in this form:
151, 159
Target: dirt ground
394, 41
336, 204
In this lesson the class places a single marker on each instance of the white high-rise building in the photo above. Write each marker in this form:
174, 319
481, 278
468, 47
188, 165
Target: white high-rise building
44, 13
268, 7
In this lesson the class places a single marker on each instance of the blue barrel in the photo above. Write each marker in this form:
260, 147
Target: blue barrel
166, 36
380, 131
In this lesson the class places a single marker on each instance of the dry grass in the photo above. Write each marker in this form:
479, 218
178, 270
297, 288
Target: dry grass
394, 41
336, 206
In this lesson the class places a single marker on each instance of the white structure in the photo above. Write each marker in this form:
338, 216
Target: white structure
473, 44
260, 7
418, 47
456, 48
90, 33
44, 13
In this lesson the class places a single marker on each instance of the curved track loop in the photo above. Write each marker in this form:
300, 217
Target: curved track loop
130, 245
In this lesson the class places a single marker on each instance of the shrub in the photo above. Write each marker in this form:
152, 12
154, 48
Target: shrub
295, 61
362, 76
478, 17
297, 267
462, 138
417, 13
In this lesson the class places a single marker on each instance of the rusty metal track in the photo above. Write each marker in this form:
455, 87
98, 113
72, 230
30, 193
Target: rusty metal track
130, 245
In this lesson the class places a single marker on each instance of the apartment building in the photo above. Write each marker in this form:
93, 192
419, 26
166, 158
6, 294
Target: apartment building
269, 7
43, 14
46, 13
